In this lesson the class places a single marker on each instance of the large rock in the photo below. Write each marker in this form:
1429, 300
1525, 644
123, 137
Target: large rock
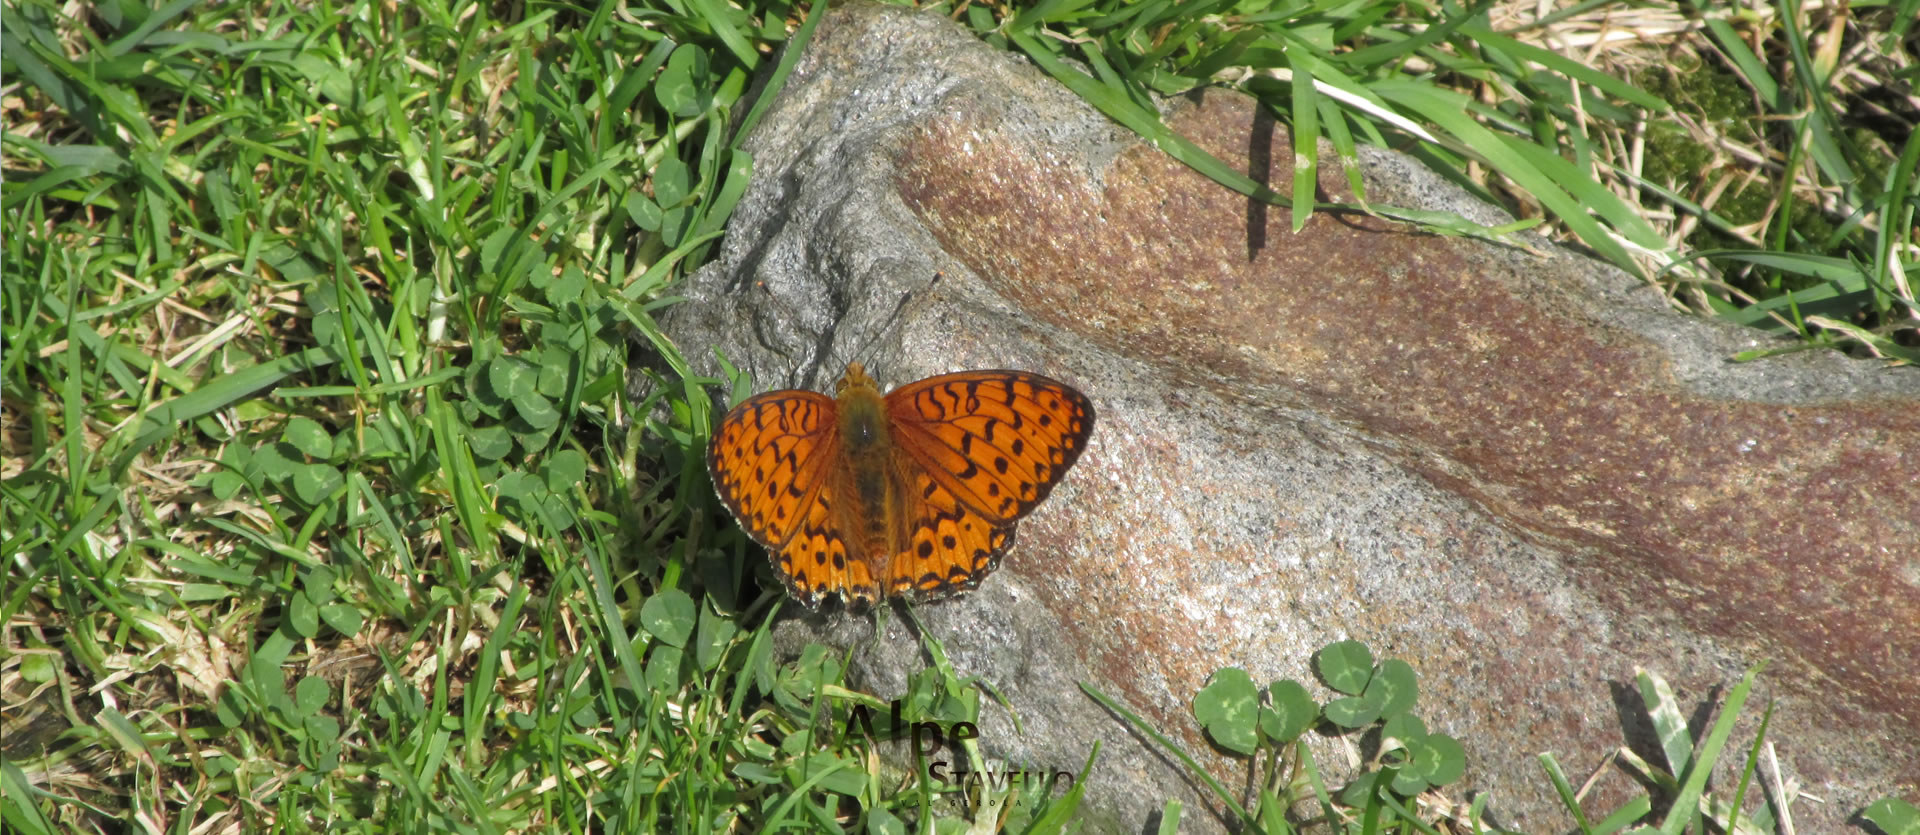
1516, 470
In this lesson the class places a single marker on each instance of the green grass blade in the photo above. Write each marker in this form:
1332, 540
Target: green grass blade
1306, 146
1219, 791
1119, 107
167, 418
1544, 175
1560, 65
1668, 723
1565, 790
1686, 804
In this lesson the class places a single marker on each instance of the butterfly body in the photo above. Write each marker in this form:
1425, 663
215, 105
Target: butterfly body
911, 494
870, 467
876, 505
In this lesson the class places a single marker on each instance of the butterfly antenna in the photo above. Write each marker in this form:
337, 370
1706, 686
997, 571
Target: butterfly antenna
862, 353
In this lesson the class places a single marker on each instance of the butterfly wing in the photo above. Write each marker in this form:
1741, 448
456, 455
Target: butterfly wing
980, 450
771, 461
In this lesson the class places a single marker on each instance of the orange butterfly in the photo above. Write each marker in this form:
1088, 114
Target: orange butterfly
914, 494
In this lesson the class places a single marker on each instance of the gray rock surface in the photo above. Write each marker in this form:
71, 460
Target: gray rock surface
1518, 471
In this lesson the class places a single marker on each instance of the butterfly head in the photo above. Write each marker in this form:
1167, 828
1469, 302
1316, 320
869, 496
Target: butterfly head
856, 378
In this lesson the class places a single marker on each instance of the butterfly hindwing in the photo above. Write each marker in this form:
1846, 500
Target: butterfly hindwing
819, 561
950, 547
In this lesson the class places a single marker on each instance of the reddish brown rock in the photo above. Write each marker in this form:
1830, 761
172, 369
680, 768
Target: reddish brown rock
1517, 471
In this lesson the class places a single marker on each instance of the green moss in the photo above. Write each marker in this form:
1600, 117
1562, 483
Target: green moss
1720, 101
1717, 99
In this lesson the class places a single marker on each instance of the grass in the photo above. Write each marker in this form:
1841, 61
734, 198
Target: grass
324, 500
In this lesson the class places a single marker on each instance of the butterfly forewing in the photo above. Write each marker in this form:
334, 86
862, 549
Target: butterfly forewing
998, 441
767, 460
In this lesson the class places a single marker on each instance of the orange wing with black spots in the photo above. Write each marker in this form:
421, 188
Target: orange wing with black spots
986, 448
911, 495
769, 461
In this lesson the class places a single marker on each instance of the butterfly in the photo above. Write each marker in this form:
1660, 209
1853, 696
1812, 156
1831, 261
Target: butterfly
914, 494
